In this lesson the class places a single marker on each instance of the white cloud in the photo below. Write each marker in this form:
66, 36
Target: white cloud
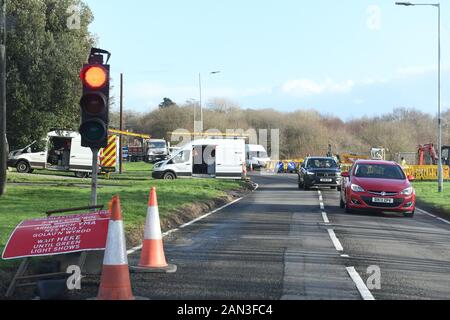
307, 87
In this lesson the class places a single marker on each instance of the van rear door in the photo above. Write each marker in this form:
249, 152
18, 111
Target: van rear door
80, 157
230, 159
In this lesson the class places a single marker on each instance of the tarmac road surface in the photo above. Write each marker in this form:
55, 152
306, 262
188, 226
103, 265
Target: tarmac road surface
284, 243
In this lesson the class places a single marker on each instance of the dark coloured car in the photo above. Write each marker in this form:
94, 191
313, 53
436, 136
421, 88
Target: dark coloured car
319, 172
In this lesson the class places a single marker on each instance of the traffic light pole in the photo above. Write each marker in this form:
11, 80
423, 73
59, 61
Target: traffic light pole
94, 176
3, 140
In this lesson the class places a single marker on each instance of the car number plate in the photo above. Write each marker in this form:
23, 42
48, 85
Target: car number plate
326, 180
383, 200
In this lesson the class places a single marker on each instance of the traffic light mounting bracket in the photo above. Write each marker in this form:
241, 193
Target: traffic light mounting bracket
97, 56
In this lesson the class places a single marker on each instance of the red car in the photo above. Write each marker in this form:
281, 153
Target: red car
374, 185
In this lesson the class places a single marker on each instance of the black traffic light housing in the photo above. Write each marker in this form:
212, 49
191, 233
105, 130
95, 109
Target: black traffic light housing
94, 102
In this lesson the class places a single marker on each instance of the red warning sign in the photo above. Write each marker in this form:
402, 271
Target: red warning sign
58, 235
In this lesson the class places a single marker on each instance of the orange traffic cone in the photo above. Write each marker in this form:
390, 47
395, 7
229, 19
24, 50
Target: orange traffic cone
115, 281
153, 258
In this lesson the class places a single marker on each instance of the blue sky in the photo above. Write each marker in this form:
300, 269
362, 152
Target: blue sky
348, 58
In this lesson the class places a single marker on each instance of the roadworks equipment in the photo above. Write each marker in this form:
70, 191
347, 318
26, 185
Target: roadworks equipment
115, 281
153, 258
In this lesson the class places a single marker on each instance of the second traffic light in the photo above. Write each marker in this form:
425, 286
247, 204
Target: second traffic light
95, 105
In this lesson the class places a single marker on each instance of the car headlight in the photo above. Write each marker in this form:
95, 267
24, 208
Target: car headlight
408, 191
357, 188
310, 173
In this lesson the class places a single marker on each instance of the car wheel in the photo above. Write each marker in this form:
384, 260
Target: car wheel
81, 175
342, 204
23, 167
347, 209
169, 176
409, 214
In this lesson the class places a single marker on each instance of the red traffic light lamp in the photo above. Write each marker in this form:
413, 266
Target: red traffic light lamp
94, 102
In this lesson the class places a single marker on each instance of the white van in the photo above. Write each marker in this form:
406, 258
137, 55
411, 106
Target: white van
205, 158
256, 155
60, 151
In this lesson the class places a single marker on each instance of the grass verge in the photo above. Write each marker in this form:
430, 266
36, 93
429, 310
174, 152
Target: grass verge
429, 197
31, 195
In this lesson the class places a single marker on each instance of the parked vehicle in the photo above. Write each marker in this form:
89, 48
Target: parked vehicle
206, 158
59, 151
149, 150
157, 150
319, 172
256, 156
377, 186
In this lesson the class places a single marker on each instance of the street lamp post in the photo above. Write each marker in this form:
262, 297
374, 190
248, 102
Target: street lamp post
440, 167
200, 128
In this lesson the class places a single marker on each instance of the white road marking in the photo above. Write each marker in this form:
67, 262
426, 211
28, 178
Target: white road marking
135, 249
325, 217
443, 220
426, 213
322, 206
362, 288
336, 242
432, 215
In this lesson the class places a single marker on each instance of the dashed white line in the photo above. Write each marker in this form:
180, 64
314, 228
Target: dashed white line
337, 244
362, 288
325, 217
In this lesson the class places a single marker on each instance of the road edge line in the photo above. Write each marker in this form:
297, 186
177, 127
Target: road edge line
165, 234
433, 216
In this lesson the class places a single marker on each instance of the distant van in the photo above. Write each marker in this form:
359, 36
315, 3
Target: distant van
59, 151
205, 158
256, 155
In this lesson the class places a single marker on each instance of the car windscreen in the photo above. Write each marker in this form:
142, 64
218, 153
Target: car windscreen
157, 145
257, 154
321, 163
379, 171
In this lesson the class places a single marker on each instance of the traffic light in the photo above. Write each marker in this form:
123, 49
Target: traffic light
94, 102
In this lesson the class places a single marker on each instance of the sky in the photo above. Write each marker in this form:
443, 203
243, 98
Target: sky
347, 58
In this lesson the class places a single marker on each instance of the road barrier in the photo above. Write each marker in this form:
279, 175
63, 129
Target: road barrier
153, 258
425, 172
115, 281
283, 166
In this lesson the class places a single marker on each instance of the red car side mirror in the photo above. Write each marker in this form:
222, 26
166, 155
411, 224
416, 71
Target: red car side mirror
345, 174
411, 178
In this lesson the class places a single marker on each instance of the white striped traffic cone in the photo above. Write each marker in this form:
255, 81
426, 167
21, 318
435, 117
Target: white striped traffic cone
153, 258
115, 281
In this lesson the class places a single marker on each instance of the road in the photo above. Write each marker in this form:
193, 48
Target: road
276, 244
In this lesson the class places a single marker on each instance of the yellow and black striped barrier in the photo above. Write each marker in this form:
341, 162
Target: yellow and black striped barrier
425, 172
